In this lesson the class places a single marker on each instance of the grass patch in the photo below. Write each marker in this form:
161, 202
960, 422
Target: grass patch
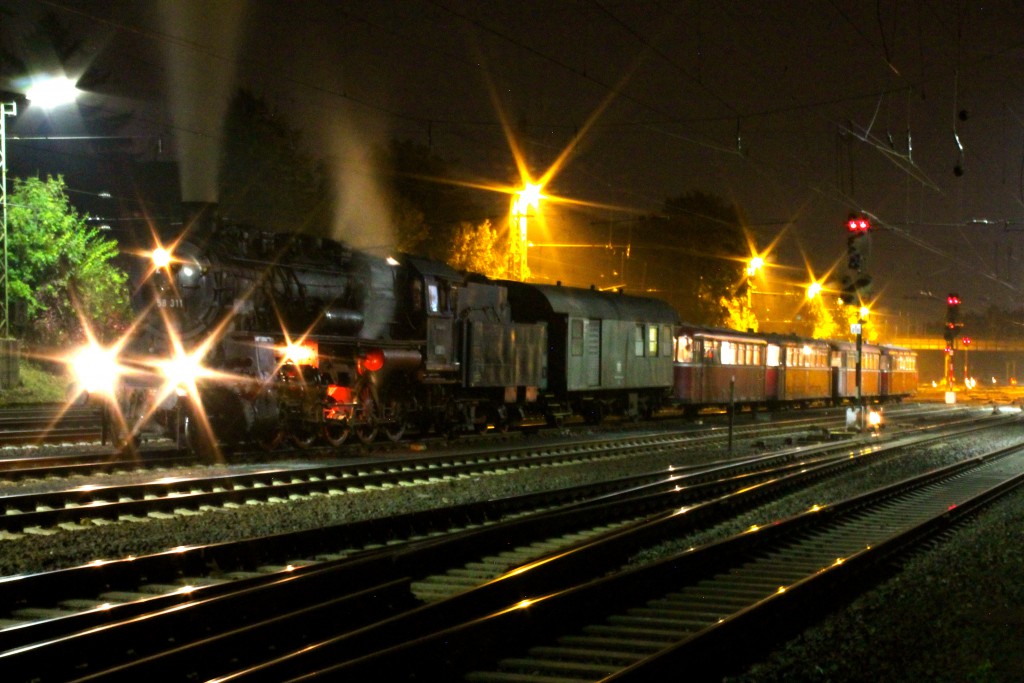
38, 385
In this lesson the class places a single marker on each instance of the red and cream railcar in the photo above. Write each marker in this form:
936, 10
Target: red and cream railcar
713, 367
844, 372
798, 371
899, 372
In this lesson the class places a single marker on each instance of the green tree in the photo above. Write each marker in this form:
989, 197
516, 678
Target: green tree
479, 249
60, 268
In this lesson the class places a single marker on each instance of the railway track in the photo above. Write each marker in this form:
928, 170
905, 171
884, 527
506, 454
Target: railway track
89, 504
684, 613
384, 569
50, 424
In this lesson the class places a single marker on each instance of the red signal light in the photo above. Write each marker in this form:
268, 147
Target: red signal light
858, 224
374, 360
953, 300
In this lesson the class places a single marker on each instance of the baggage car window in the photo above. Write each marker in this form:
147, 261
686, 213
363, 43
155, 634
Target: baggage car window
652, 340
638, 339
576, 341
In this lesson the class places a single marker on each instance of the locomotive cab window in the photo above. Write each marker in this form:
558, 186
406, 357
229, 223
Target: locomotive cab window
433, 298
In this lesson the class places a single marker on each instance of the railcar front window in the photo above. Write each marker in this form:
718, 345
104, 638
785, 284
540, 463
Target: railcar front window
684, 349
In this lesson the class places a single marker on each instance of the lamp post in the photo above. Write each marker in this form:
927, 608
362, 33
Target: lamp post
862, 315
9, 109
522, 201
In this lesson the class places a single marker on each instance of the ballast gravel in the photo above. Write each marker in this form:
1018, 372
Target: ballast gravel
955, 613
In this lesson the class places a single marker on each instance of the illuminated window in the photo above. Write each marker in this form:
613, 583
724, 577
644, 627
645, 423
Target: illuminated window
728, 356
652, 340
433, 300
684, 349
711, 355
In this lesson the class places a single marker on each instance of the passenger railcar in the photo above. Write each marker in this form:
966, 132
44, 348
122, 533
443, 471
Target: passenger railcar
899, 372
713, 367
608, 352
798, 371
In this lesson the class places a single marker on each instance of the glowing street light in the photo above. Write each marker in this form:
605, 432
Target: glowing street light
522, 201
754, 266
813, 290
50, 92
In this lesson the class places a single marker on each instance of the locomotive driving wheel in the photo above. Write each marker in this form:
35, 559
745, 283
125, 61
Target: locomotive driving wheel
336, 431
366, 422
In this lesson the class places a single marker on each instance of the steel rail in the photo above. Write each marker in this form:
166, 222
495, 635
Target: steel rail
445, 553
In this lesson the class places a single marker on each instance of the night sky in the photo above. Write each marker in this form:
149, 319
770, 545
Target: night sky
796, 112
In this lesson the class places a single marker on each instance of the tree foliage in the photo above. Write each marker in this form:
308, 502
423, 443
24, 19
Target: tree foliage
60, 268
694, 256
479, 249
430, 211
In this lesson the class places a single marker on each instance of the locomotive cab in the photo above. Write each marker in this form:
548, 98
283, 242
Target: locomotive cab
433, 290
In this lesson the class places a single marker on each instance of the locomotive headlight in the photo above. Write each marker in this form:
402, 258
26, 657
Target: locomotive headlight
161, 258
182, 371
95, 369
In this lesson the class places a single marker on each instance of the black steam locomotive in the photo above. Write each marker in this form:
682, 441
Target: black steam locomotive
246, 336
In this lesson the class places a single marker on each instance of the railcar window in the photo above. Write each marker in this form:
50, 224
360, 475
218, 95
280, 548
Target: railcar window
727, 355
652, 340
666, 338
638, 339
773, 356
577, 338
711, 356
684, 349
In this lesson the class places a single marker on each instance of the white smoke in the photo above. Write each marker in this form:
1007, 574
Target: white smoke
362, 215
201, 57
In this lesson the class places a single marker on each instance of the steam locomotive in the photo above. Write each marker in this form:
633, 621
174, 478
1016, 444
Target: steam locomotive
248, 336
244, 336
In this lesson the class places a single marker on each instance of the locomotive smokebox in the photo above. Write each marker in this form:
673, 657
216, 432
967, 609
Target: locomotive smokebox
199, 219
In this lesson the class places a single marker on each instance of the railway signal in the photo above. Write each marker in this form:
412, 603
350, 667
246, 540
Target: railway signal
953, 324
857, 283
857, 242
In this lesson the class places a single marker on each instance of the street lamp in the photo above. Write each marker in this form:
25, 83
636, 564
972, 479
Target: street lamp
522, 201
862, 316
9, 109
